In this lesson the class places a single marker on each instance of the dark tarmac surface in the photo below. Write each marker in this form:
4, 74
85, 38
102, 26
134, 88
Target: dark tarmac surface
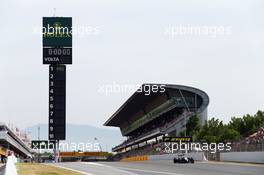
165, 168
2, 170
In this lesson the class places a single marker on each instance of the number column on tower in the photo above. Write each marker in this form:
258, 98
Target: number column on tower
57, 102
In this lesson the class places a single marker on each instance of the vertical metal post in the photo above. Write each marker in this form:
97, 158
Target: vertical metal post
57, 151
39, 142
195, 98
185, 125
38, 132
187, 109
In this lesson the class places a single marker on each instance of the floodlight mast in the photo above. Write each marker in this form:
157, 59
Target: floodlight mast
54, 12
38, 140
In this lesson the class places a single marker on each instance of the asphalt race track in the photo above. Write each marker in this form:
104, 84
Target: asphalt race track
164, 168
2, 169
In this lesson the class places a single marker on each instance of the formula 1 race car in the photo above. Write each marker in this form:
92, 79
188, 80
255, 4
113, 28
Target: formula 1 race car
183, 159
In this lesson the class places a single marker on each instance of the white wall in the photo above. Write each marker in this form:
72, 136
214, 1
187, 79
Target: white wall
195, 156
254, 157
10, 168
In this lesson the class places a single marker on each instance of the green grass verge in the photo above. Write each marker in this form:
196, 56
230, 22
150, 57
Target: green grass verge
42, 169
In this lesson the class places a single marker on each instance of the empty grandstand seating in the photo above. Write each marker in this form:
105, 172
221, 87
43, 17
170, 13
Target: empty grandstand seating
144, 119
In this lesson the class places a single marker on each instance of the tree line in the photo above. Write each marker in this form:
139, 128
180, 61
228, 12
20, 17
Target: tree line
215, 131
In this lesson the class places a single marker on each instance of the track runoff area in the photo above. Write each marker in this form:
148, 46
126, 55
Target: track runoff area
163, 167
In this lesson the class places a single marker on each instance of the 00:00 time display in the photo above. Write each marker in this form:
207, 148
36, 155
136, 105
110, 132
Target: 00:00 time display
59, 51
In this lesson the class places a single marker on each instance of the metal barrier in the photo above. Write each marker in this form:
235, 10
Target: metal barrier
244, 147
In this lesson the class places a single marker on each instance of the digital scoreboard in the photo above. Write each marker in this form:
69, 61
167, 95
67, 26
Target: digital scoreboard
54, 55
57, 102
57, 40
57, 51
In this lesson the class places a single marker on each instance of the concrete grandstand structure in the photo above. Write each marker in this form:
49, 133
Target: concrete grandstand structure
15, 142
145, 117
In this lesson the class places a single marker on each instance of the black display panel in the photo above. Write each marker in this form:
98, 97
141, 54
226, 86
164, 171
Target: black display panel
57, 40
57, 102
57, 31
57, 55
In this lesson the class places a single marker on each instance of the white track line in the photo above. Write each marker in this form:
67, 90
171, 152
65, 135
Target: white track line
132, 169
236, 163
117, 169
77, 171
150, 171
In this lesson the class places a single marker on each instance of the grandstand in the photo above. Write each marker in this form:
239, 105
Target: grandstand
12, 140
145, 117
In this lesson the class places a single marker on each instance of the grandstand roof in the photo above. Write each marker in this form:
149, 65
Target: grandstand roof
139, 99
9, 138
